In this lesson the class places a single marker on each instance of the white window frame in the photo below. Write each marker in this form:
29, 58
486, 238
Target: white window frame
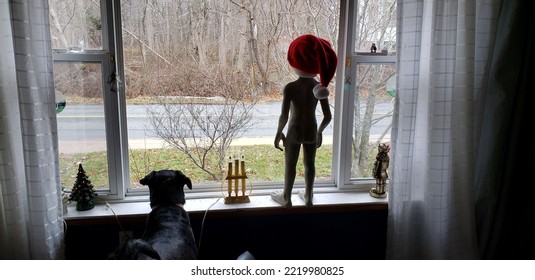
111, 59
349, 59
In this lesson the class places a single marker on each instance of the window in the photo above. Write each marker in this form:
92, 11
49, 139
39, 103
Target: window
367, 89
90, 124
185, 85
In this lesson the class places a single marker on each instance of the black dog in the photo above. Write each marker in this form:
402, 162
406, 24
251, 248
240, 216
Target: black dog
168, 234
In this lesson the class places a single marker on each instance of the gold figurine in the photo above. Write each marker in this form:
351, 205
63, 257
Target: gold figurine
380, 171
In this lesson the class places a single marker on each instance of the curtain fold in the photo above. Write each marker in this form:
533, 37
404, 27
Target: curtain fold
505, 212
444, 49
31, 223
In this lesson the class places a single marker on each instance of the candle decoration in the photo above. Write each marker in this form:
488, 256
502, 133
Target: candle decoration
236, 174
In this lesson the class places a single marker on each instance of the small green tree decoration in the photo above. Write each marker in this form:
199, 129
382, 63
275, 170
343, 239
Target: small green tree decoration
82, 191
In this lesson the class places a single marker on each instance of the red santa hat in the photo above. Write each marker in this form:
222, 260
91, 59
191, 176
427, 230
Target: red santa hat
314, 55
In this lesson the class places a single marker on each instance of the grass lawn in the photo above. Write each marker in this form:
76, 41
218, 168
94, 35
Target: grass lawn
264, 163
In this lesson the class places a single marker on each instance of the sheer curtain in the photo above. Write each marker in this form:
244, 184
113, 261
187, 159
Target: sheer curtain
31, 224
444, 55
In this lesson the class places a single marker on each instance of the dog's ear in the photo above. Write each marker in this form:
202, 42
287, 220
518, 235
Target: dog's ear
187, 181
147, 179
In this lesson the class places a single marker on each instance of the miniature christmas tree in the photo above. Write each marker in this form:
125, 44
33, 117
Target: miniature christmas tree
82, 191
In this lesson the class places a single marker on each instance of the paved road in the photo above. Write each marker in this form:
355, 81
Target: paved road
82, 128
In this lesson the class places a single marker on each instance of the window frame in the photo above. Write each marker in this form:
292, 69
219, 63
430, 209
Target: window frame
111, 59
349, 59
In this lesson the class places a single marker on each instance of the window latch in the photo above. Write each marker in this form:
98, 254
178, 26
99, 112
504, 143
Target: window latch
114, 82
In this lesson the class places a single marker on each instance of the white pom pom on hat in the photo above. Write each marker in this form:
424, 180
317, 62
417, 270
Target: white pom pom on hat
320, 92
314, 55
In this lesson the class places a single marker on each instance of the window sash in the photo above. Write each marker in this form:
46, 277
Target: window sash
347, 70
110, 58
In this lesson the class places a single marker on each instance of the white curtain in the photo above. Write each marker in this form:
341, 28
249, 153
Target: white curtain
31, 223
443, 59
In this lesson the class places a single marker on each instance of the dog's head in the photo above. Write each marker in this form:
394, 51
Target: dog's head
166, 187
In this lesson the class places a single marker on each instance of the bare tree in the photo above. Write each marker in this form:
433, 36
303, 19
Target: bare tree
249, 10
204, 130
372, 84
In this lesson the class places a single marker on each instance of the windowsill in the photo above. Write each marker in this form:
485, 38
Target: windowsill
323, 201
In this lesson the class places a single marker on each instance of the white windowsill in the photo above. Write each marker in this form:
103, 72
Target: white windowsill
193, 205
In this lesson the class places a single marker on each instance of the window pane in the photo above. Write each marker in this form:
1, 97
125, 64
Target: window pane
372, 115
376, 24
75, 25
201, 75
81, 123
